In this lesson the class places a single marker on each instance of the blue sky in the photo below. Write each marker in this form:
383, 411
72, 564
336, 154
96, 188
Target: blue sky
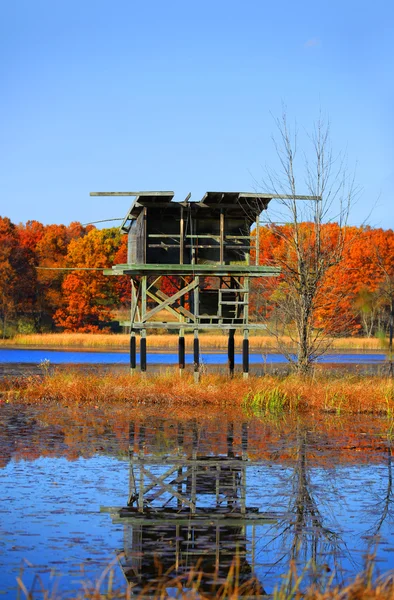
179, 96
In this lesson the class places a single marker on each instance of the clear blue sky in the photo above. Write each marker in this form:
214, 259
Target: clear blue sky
169, 95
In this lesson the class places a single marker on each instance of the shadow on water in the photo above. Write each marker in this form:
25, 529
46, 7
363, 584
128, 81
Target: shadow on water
224, 499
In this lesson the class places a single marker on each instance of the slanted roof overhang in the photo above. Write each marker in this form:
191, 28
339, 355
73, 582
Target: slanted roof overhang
250, 204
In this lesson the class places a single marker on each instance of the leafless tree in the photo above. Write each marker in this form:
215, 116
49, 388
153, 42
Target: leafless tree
311, 251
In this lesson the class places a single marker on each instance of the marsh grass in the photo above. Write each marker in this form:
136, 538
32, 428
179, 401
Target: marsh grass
270, 401
189, 585
269, 395
169, 341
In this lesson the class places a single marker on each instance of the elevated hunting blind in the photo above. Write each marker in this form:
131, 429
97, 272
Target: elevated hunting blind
190, 265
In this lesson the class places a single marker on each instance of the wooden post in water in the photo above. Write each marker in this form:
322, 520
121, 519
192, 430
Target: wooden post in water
143, 351
133, 352
196, 356
245, 354
181, 351
231, 351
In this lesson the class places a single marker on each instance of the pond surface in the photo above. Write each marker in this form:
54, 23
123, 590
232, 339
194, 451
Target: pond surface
14, 355
84, 487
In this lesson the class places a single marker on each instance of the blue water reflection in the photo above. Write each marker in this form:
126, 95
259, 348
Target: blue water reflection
20, 356
325, 494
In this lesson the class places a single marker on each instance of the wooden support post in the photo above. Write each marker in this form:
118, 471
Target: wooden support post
196, 297
243, 489
181, 238
143, 351
244, 441
196, 356
230, 440
257, 243
132, 482
194, 467
145, 213
133, 352
181, 351
141, 445
143, 296
221, 240
134, 302
245, 354
231, 351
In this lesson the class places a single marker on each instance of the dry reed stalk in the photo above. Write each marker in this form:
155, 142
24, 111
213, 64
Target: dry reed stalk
346, 395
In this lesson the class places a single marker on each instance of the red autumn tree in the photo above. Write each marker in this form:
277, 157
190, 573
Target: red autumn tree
89, 296
17, 276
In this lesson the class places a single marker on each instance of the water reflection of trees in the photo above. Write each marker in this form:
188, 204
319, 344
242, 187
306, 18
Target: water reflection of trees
383, 503
308, 536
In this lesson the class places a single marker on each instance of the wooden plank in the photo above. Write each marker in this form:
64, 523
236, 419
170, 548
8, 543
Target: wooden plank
168, 488
221, 259
151, 486
164, 235
132, 193
181, 238
194, 519
257, 242
179, 479
178, 309
196, 325
199, 236
188, 269
168, 308
170, 300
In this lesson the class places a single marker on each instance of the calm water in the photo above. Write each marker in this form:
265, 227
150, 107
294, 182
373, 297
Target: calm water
208, 489
9, 356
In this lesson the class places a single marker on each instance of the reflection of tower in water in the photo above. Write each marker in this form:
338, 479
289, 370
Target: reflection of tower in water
187, 512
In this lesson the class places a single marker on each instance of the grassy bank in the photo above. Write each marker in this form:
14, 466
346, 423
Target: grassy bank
169, 341
269, 394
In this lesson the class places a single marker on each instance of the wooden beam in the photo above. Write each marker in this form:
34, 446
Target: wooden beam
221, 241
167, 488
177, 309
170, 300
182, 238
132, 193
155, 297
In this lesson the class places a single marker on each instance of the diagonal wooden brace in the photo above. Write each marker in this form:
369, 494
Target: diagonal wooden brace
166, 487
170, 300
178, 310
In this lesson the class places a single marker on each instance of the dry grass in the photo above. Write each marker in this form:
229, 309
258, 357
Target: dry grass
189, 585
269, 394
169, 341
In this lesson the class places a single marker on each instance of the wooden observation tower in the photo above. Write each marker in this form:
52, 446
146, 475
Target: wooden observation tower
205, 249
188, 509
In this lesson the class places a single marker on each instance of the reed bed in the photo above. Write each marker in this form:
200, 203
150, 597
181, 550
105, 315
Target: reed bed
190, 585
169, 341
259, 395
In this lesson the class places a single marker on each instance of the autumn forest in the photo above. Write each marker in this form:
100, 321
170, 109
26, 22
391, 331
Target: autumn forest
51, 280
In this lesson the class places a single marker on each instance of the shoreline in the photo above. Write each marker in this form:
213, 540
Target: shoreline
165, 342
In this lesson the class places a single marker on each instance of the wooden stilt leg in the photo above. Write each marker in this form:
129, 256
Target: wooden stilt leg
196, 356
231, 352
143, 351
133, 352
245, 354
181, 351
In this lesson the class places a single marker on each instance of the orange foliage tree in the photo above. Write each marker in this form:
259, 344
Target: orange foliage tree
49, 246
89, 296
17, 276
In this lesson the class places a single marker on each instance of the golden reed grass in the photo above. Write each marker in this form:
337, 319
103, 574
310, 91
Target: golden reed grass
344, 395
169, 341
188, 586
